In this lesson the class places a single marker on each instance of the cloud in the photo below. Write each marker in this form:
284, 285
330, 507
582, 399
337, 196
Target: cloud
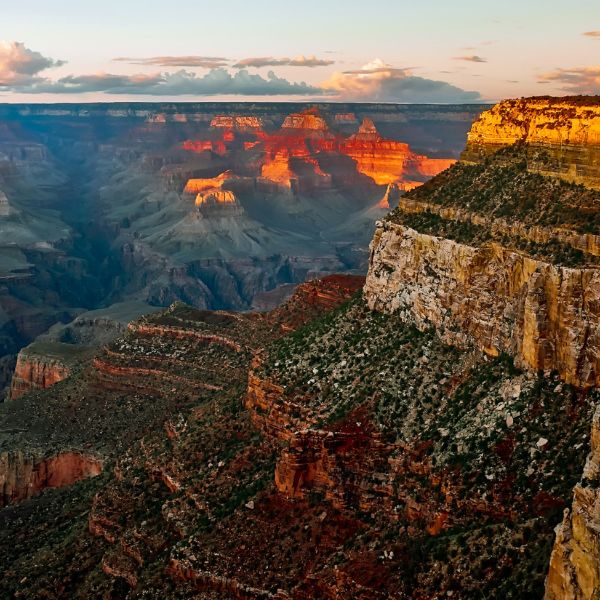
215, 82
20, 66
592, 34
471, 58
269, 61
578, 80
379, 82
207, 62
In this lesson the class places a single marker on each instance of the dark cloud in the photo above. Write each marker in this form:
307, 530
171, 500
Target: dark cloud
215, 82
207, 62
20, 66
269, 61
578, 80
471, 58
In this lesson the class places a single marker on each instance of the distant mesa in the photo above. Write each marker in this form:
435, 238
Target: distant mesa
389, 161
196, 186
236, 122
290, 154
308, 120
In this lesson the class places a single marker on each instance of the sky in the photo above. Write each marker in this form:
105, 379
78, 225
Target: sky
331, 50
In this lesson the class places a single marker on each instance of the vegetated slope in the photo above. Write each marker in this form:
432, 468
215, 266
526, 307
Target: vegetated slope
386, 464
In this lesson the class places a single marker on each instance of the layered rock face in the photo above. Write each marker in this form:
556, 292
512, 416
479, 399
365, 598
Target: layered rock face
33, 373
497, 254
23, 476
237, 122
562, 135
500, 282
546, 316
388, 162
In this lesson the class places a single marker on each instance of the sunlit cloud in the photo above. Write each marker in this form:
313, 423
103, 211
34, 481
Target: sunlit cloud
21, 66
206, 62
380, 82
578, 80
269, 61
471, 58
592, 34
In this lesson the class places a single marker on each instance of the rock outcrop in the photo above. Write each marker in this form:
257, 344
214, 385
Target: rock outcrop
548, 317
43, 364
33, 373
24, 475
387, 161
562, 135
508, 283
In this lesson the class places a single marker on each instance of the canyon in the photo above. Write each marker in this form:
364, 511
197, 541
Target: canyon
426, 428
209, 203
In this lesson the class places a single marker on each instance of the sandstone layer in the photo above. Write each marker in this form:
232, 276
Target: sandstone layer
562, 135
548, 317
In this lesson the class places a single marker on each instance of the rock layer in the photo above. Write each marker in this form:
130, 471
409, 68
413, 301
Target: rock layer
562, 135
548, 317
23, 475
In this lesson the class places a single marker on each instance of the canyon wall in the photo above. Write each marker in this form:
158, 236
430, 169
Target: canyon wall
23, 475
562, 136
575, 562
548, 317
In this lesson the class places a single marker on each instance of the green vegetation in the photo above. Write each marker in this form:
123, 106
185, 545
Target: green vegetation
502, 187
469, 233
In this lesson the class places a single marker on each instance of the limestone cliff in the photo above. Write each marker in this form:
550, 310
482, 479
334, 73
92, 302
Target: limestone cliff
546, 316
562, 135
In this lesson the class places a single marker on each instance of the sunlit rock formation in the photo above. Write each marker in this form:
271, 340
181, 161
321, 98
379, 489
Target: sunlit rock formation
387, 161
562, 135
